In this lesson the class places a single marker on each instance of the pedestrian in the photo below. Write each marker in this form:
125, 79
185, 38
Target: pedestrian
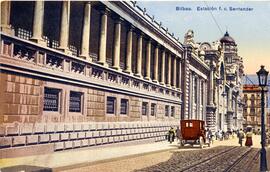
171, 135
241, 136
222, 134
209, 135
216, 134
178, 134
249, 138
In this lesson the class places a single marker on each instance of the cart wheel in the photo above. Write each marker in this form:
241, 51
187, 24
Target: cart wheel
182, 142
201, 142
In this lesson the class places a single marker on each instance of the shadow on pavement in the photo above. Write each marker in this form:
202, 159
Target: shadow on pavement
26, 168
186, 146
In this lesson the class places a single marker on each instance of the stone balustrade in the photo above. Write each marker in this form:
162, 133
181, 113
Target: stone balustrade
46, 59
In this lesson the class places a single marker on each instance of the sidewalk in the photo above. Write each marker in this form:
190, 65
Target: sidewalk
88, 156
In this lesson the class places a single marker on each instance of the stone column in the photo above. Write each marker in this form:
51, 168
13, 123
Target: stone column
174, 72
230, 99
129, 51
148, 60
211, 86
162, 82
5, 17
103, 38
64, 30
86, 32
139, 56
156, 64
169, 70
117, 40
198, 97
179, 76
38, 23
190, 101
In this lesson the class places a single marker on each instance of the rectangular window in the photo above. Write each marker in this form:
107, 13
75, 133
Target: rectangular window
124, 106
167, 110
153, 109
75, 102
144, 108
172, 111
51, 99
111, 105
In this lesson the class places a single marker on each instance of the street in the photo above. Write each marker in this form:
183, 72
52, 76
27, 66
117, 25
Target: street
224, 155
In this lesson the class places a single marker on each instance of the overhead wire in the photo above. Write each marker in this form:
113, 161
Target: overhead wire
213, 17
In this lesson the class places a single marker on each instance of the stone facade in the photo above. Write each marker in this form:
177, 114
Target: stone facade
252, 107
77, 74
66, 84
215, 69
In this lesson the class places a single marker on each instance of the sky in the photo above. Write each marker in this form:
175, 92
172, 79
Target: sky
250, 29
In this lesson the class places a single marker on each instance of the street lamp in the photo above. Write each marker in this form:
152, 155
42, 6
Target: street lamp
223, 110
262, 76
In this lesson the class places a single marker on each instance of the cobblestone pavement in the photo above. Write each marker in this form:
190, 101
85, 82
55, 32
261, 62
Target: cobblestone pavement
216, 159
222, 156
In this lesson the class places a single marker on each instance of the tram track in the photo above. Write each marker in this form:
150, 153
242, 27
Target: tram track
234, 160
244, 163
223, 159
193, 166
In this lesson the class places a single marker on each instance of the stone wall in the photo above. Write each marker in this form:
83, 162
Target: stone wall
63, 136
20, 98
26, 127
22, 102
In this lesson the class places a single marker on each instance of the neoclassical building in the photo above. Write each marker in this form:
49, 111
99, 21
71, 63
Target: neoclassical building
79, 74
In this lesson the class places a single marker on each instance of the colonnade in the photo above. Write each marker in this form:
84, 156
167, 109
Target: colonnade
172, 63
197, 95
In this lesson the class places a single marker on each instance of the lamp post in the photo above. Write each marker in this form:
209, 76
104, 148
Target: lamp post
262, 76
223, 110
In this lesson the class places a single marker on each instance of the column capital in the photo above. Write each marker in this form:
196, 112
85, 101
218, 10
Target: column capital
150, 40
105, 11
119, 20
132, 27
89, 2
140, 34
158, 45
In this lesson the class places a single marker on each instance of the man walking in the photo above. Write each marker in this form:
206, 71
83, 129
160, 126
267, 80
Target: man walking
240, 137
171, 135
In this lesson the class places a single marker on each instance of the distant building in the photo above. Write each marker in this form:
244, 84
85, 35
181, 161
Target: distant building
252, 107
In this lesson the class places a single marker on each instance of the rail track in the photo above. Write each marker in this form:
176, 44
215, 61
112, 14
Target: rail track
234, 160
226, 159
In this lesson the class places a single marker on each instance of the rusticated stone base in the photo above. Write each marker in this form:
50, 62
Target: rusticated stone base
42, 138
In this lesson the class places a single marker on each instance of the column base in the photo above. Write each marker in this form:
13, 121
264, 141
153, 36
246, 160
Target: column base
156, 81
117, 68
88, 58
162, 83
169, 85
103, 63
65, 50
138, 75
7, 29
39, 41
147, 78
128, 71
